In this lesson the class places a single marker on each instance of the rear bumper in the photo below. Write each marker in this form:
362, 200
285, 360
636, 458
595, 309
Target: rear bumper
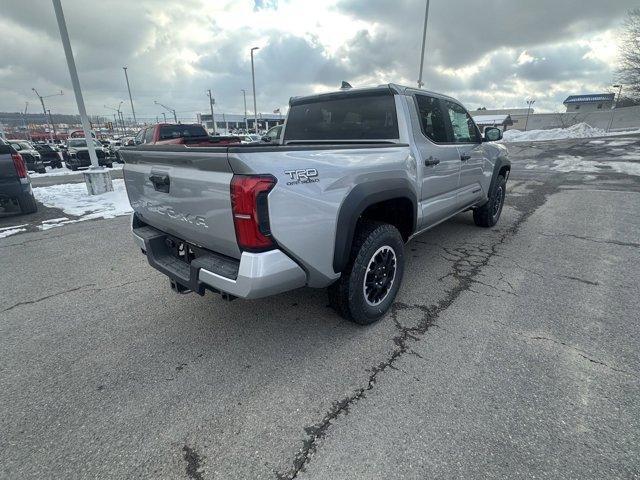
255, 275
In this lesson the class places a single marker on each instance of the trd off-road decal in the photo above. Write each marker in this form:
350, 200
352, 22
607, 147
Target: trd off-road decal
303, 175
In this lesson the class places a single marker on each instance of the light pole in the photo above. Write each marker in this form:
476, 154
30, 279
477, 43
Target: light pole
130, 97
244, 96
253, 79
172, 110
44, 109
97, 180
119, 117
53, 125
211, 102
526, 122
24, 123
164, 115
424, 43
615, 106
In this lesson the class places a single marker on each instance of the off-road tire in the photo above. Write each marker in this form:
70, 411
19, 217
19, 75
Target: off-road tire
347, 295
27, 203
488, 215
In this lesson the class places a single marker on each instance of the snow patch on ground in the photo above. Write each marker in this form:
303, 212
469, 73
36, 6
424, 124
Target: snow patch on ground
572, 163
580, 130
73, 199
8, 231
56, 172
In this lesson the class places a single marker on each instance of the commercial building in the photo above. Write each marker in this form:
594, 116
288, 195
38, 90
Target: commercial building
226, 122
596, 102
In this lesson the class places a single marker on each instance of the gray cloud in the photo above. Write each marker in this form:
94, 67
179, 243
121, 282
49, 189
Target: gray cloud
107, 35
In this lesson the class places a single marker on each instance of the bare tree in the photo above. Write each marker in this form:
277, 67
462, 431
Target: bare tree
629, 68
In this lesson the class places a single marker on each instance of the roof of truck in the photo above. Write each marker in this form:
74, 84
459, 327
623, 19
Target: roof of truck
390, 88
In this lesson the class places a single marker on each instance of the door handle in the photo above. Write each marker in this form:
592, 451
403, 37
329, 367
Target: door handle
464, 157
430, 162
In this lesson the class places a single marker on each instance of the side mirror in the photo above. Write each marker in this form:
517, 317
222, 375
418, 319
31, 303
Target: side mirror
266, 139
492, 134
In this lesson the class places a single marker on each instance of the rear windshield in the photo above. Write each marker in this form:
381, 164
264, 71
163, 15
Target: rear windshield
358, 117
181, 131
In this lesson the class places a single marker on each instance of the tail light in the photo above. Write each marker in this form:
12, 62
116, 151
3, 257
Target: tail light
18, 162
251, 212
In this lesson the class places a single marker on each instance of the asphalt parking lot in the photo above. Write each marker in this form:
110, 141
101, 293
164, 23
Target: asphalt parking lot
510, 353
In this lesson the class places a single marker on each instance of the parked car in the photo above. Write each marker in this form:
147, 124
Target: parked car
273, 134
358, 173
30, 155
194, 135
50, 154
15, 185
77, 155
253, 138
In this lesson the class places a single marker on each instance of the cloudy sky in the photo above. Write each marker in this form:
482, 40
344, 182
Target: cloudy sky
493, 53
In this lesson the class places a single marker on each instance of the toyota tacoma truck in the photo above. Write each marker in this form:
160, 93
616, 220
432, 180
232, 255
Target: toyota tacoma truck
355, 175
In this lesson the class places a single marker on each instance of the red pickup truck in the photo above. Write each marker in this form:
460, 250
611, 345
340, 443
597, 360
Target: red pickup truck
193, 135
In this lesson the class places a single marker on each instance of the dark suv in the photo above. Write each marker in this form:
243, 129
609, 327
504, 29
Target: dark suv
77, 154
15, 185
49, 154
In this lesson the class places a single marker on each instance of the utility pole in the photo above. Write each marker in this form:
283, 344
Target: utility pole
53, 125
135, 121
97, 179
169, 109
424, 43
211, 102
253, 79
615, 106
526, 122
44, 109
244, 96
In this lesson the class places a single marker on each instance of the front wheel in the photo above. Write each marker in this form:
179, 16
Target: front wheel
489, 214
370, 282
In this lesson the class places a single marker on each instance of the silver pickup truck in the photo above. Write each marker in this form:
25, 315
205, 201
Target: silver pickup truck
355, 175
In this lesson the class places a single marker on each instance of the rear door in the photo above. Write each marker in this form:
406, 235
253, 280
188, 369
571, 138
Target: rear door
438, 160
467, 138
185, 193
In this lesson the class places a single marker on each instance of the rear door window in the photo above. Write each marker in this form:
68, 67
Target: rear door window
462, 125
432, 118
365, 116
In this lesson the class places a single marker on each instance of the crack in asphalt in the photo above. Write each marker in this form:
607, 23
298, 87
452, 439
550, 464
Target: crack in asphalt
584, 355
581, 280
470, 260
193, 468
591, 239
30, 302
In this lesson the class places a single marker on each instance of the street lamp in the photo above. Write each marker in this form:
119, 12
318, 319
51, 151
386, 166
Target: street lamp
526, 122
130, 97
211, 102
44, 109
119, 116
244, 96
172, 110
164, 116
253, 79
615, 106
424, 42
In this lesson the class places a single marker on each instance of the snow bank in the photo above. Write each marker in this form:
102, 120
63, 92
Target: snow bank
73, 199
580, 130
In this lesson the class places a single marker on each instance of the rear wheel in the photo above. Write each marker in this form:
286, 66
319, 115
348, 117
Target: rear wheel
489, 214
27, 203
369, 284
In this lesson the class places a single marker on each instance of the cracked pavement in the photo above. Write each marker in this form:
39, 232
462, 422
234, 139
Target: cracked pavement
510, 353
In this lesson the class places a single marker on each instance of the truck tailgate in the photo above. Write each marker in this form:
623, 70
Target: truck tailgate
183, 192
